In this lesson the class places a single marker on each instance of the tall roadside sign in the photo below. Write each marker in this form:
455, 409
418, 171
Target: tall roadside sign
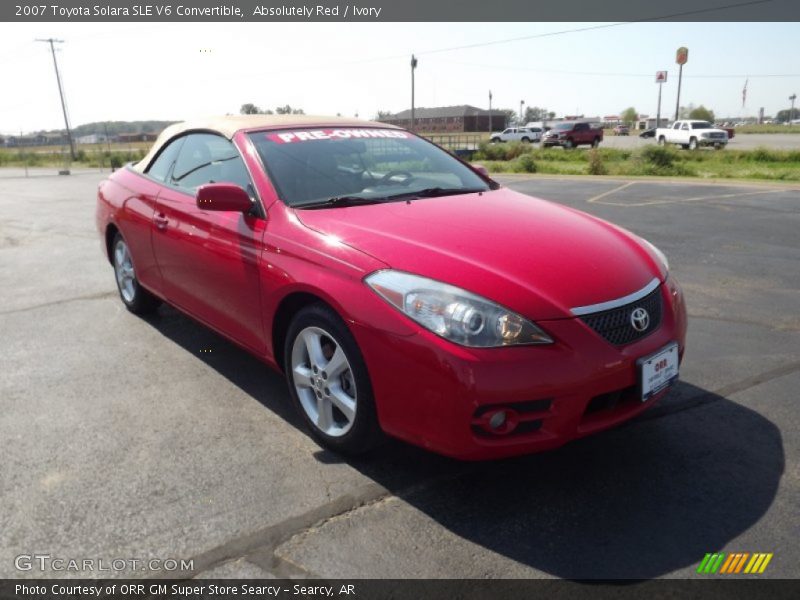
681, 57
661, 79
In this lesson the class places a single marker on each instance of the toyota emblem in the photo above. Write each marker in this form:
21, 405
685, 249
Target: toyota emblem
640, 319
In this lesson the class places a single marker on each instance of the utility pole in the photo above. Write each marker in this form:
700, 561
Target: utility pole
413, 67
521, 116
793, 97
490, 111
51, 41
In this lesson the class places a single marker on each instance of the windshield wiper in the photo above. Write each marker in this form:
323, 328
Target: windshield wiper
433, 192
340, 201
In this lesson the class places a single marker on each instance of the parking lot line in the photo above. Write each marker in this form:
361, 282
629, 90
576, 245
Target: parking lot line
598, 199
595, 199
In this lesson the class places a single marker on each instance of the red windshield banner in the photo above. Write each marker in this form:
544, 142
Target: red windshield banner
313, 135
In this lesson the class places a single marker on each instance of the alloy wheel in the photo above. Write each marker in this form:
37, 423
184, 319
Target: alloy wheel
123, 269
324, 381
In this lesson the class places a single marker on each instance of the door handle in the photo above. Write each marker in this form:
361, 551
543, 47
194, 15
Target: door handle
161, 221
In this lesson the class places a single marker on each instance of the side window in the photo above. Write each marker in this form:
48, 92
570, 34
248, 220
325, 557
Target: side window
159, 168
677, 125
685, 127
208, 158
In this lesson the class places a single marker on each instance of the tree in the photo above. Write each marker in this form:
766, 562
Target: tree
534, 113
701, 113
249, 109
382, 114
288, 110
511, 116
629, 116
783, 116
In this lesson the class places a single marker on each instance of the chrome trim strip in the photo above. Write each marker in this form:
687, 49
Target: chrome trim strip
603, 306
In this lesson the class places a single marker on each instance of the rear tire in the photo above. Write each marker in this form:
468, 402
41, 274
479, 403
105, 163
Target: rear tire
135, 298
329, 383
526, 140
495, 140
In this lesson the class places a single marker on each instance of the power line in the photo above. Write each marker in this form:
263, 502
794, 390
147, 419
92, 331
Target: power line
612, 74
52, 43
594, 27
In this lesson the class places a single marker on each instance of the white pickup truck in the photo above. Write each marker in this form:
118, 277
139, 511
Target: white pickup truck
692, 134
517, 134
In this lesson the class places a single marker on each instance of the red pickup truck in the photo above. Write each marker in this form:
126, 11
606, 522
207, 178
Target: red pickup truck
571, 134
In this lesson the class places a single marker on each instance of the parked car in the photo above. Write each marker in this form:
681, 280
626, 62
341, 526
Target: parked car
648, 133
571, 134
382, 276
692, 134
621, 130
517, 134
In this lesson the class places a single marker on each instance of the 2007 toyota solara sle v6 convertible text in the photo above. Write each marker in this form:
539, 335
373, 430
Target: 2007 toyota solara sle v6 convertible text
400, 290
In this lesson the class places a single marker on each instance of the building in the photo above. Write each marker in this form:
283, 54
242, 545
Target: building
94, 138
449, 119
136, 137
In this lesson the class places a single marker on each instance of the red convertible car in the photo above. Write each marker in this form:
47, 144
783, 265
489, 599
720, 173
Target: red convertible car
400, 290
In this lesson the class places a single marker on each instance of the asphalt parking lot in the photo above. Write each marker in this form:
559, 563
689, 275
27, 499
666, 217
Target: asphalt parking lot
131, 438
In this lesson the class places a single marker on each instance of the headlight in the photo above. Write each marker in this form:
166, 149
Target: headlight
661, 256
453, 313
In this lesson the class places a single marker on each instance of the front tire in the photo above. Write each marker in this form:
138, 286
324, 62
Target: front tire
526, 140
693, 144
135, 298
329, 383
595, 142
569, 144
662, 141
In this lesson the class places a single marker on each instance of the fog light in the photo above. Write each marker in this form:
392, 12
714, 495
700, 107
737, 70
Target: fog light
497, 420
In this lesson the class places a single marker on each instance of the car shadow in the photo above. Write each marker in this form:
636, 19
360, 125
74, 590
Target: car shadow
640, 501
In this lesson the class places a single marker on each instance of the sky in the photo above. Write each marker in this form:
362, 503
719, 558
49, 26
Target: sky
176, 71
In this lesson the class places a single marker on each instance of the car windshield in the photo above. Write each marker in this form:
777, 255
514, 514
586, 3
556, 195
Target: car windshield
562, 126
702, 125
348, 166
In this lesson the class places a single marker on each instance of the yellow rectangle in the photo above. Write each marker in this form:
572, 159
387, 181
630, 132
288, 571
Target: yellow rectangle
752, 562
765, 563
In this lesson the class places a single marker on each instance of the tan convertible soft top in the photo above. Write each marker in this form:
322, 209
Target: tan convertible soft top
229, 125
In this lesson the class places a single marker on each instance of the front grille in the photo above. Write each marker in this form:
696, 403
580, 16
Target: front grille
615, 325
716, 135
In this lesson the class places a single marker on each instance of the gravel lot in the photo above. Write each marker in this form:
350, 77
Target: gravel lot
131, 438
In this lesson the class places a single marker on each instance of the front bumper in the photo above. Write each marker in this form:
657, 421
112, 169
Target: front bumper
712, 142
439, 395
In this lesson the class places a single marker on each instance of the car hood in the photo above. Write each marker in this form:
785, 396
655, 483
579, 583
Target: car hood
533, 256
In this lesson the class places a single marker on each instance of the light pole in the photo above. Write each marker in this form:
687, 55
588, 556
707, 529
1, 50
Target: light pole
793, 97
490, 111
521, 116
413, 66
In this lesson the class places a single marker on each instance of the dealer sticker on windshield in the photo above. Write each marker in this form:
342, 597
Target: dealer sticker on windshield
313, 135
658, 371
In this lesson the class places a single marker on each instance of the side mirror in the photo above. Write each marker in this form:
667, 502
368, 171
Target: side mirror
481, 169
223, 197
